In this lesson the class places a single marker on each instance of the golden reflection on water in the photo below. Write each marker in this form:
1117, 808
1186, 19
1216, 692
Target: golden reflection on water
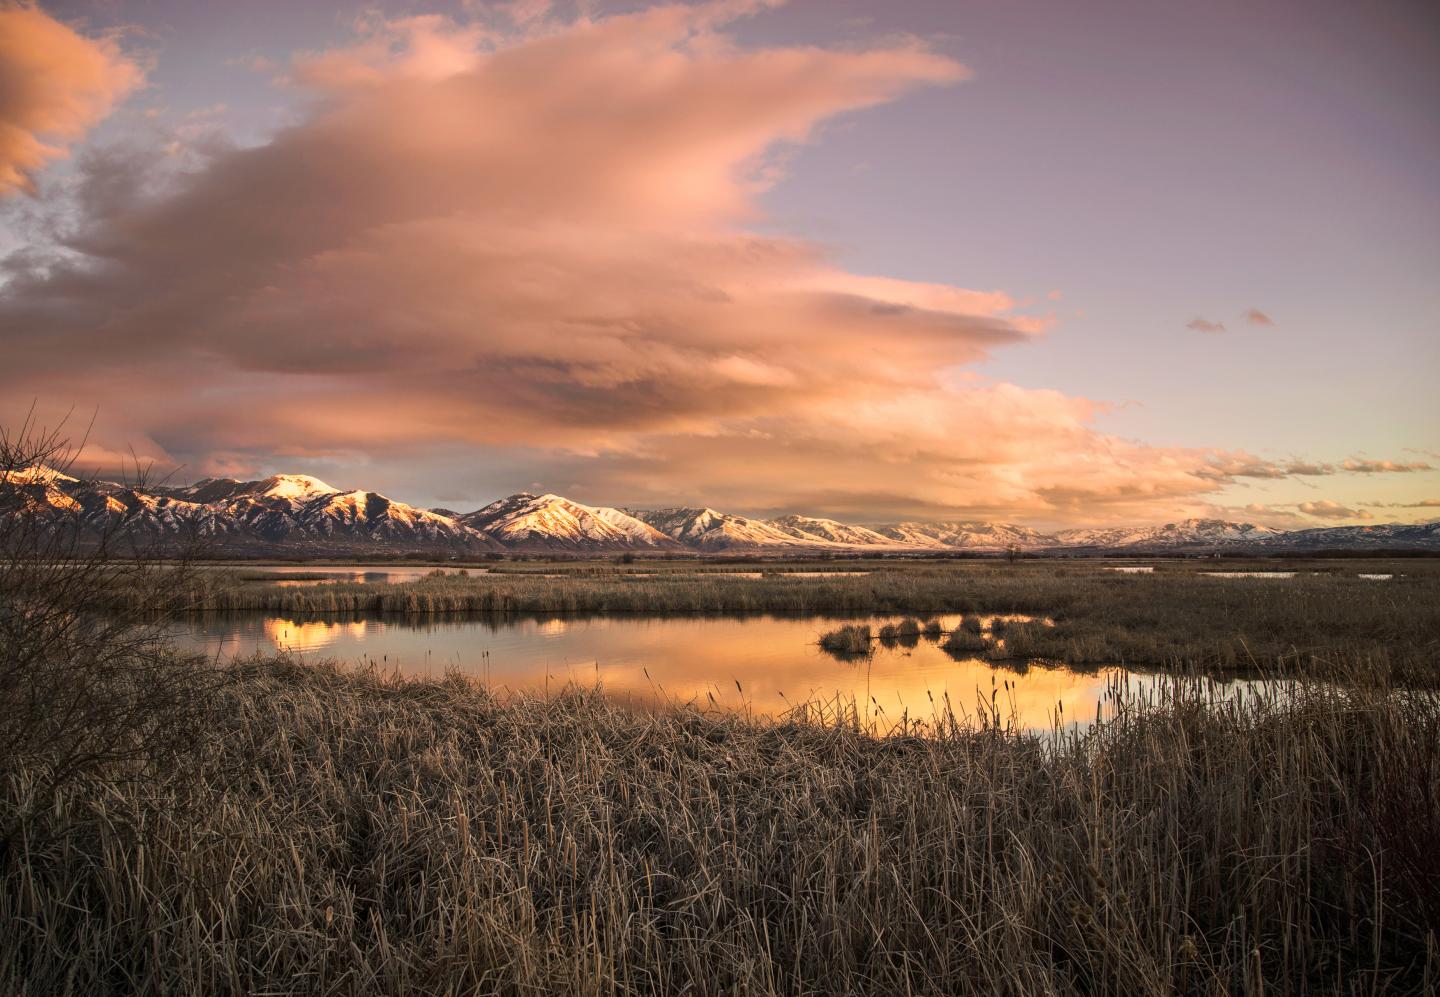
291, 635
765, 665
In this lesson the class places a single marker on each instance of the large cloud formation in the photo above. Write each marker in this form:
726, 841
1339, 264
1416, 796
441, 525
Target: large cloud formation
543, 242
54, 85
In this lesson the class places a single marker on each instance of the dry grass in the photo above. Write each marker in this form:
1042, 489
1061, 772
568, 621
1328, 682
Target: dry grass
341, 835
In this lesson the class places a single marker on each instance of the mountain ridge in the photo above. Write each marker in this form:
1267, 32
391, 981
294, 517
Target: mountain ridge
302, 514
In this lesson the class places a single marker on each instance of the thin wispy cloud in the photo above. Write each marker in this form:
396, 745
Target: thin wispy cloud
1422, 504
1250, 317
1366, 466
1204, 325
1243, 465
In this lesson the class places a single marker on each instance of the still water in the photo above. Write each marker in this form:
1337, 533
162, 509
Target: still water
764, 664
369, 574
386, 574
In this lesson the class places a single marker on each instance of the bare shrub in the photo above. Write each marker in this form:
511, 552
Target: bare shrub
87, 690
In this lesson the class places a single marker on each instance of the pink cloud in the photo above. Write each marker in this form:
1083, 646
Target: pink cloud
1254, 316
1366, 466
54, 85
1204, 325
542, 244
1326, 509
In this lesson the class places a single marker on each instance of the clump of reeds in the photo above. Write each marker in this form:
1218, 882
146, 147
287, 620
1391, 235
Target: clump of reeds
961, 641
850, 640
347, 834
906, 633
934, 630
1026, 639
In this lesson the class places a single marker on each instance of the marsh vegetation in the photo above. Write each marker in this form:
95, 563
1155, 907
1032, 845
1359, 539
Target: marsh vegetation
343, 833
852, 640
1175, 616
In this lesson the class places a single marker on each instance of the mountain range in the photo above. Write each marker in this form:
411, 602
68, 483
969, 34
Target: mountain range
295, 514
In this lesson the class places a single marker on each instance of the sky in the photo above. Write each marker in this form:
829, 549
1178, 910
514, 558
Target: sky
1050, 263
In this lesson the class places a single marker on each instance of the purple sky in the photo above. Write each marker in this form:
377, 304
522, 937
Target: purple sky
717, 256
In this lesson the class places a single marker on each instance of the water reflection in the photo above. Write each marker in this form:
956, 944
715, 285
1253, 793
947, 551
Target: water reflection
315, 635
764, 664
309, 574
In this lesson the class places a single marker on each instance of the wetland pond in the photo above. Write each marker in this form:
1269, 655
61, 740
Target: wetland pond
765, 664
387, 574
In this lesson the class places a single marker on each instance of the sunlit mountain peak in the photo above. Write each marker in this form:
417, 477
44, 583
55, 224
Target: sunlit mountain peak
295, 486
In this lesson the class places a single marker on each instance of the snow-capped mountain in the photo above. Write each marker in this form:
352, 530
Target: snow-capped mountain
285, 512
552, 521
828, 531
1186, 533
969, 535
299, 514
708, 530
293, 488
37, 475
1415, 535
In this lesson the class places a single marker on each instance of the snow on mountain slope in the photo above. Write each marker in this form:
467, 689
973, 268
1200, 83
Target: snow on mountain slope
207, 490
36, 495
828, 531
1186, 533
556, 522
296, 487
706, 529
39, 474
1360, 537
639, 532
285, 510
346, 514
968, 535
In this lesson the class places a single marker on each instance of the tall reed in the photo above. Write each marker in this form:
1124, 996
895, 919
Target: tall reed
348, 834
